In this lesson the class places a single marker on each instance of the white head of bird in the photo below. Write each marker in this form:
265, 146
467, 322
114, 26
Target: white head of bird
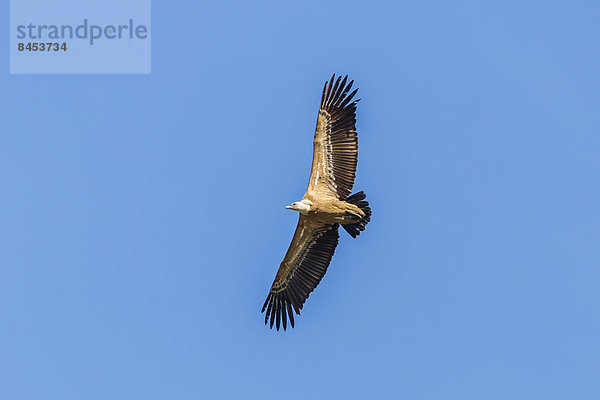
303, 206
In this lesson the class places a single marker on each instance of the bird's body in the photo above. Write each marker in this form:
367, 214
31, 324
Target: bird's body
327, 210
326, 205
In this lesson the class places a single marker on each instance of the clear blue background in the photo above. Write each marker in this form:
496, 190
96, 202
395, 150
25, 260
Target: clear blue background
142, 217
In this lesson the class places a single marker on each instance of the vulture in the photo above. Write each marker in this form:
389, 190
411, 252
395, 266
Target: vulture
326, 205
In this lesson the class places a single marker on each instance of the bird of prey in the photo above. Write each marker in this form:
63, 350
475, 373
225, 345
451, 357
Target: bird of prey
326, 205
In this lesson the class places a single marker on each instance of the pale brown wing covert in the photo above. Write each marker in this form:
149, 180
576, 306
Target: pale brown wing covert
335, 146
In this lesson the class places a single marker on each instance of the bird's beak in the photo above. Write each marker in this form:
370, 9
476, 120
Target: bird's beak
289, 207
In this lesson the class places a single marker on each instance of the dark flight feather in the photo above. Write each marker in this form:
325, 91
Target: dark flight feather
300, 272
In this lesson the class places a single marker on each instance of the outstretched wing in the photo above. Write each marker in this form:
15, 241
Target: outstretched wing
301, 270
335, 150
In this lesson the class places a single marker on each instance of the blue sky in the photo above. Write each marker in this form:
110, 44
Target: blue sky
142, 217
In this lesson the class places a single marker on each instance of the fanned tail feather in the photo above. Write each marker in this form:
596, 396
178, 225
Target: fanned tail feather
356, 228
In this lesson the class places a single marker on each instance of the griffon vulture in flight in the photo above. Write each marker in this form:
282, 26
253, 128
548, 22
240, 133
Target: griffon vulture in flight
326, 205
